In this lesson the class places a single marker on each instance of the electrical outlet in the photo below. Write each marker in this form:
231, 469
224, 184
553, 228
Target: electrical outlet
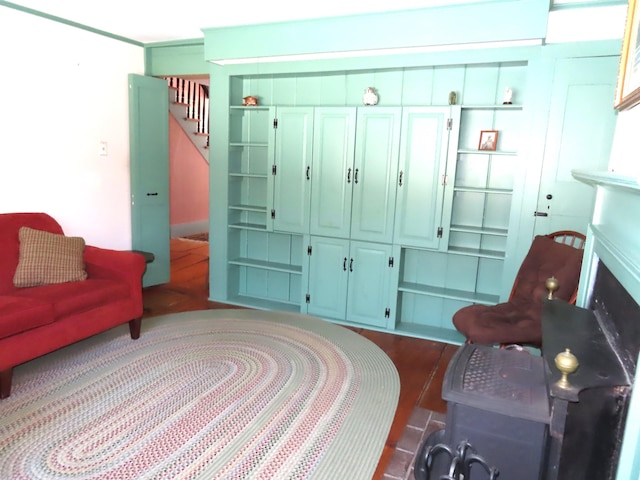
103, 149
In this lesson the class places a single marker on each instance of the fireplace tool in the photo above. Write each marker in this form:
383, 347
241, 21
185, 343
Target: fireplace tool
460, 461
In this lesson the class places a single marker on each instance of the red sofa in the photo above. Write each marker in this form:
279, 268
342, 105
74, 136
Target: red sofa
40, 319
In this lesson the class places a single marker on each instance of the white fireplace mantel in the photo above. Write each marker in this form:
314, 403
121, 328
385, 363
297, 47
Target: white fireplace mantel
613, 237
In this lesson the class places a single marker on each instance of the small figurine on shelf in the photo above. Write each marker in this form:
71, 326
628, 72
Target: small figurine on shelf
508, 94
250, 101
370, 97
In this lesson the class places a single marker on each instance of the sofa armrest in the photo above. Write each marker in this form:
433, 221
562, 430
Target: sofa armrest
123, 266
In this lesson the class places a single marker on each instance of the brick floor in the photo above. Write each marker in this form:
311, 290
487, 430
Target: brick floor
421, 424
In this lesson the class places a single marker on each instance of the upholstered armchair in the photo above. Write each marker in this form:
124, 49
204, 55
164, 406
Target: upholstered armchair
518, 321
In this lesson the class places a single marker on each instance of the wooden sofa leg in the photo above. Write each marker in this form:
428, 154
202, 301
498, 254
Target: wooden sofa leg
5, 382
134, 327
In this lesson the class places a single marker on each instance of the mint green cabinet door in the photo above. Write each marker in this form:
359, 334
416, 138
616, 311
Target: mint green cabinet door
332, 174
423, 154
368, 296
292, 173
149, 147
328, 276
374, 175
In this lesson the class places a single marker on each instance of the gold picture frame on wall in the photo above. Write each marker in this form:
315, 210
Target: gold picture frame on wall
628, 86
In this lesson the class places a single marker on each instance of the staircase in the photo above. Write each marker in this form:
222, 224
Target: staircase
189, 104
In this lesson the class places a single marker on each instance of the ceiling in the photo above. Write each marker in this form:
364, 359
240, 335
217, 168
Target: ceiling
163, 20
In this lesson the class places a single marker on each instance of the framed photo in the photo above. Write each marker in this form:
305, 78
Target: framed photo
628, 86
488, 140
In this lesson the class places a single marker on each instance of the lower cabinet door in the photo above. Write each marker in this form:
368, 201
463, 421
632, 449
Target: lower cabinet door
328, 276
368, 295
349, 281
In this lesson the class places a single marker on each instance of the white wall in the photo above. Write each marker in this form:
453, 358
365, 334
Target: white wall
62, 91
625, 152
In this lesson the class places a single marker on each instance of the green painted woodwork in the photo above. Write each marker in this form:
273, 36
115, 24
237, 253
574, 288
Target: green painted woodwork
369, 293
292, 184
349, 281
179, 58
333, 173
375, 170
149, 146
497, 20
582, 89
484, 205
421, 171
328, 277
250, 157
264, 269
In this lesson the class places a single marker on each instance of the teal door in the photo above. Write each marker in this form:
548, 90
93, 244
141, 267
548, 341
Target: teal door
423, 161
292, 173
149, 157
333, 173
369, 292
374, 174
579, 136
328, 276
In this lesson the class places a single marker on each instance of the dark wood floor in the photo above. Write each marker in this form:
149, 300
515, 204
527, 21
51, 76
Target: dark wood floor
421, 364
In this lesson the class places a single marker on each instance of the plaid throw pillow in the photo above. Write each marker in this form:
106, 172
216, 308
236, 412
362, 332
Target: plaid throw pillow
47, 258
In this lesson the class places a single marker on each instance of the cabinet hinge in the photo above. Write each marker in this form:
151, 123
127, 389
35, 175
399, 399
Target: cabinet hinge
439, 232
387, 313
444, 180
273, 169
391, 262
449, 123
273, 213
275, 123
307, 298
309, 249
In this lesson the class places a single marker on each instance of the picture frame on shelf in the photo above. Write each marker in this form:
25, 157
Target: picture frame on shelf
628, 84
488, 140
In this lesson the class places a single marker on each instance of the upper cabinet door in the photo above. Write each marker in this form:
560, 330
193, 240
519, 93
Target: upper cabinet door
374, 173
423, 160
333, 175
292, 172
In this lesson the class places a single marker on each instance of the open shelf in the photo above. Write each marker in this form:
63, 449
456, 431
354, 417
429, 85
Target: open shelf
477, 252
453, 294
275, 266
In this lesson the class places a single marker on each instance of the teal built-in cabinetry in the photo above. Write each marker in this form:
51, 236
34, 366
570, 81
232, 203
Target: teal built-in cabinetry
388, 216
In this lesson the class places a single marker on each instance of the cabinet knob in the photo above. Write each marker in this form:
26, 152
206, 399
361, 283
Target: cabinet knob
349, 176
355, 176
344, 264
308, 170
400, 178
351, 265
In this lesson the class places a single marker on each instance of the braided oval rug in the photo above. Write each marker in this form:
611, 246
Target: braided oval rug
216, 394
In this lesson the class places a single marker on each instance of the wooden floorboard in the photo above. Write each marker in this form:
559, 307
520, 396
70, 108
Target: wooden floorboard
420, 363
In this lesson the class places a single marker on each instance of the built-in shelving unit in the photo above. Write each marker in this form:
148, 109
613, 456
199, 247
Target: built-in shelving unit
478, 227
265, 267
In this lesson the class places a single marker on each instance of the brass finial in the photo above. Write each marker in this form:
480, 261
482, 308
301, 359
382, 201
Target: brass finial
552, 285
567, 363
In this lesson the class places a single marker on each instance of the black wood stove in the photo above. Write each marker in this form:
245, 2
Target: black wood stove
517, 413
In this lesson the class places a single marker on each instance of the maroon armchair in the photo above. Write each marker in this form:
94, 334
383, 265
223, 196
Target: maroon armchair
518, 321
